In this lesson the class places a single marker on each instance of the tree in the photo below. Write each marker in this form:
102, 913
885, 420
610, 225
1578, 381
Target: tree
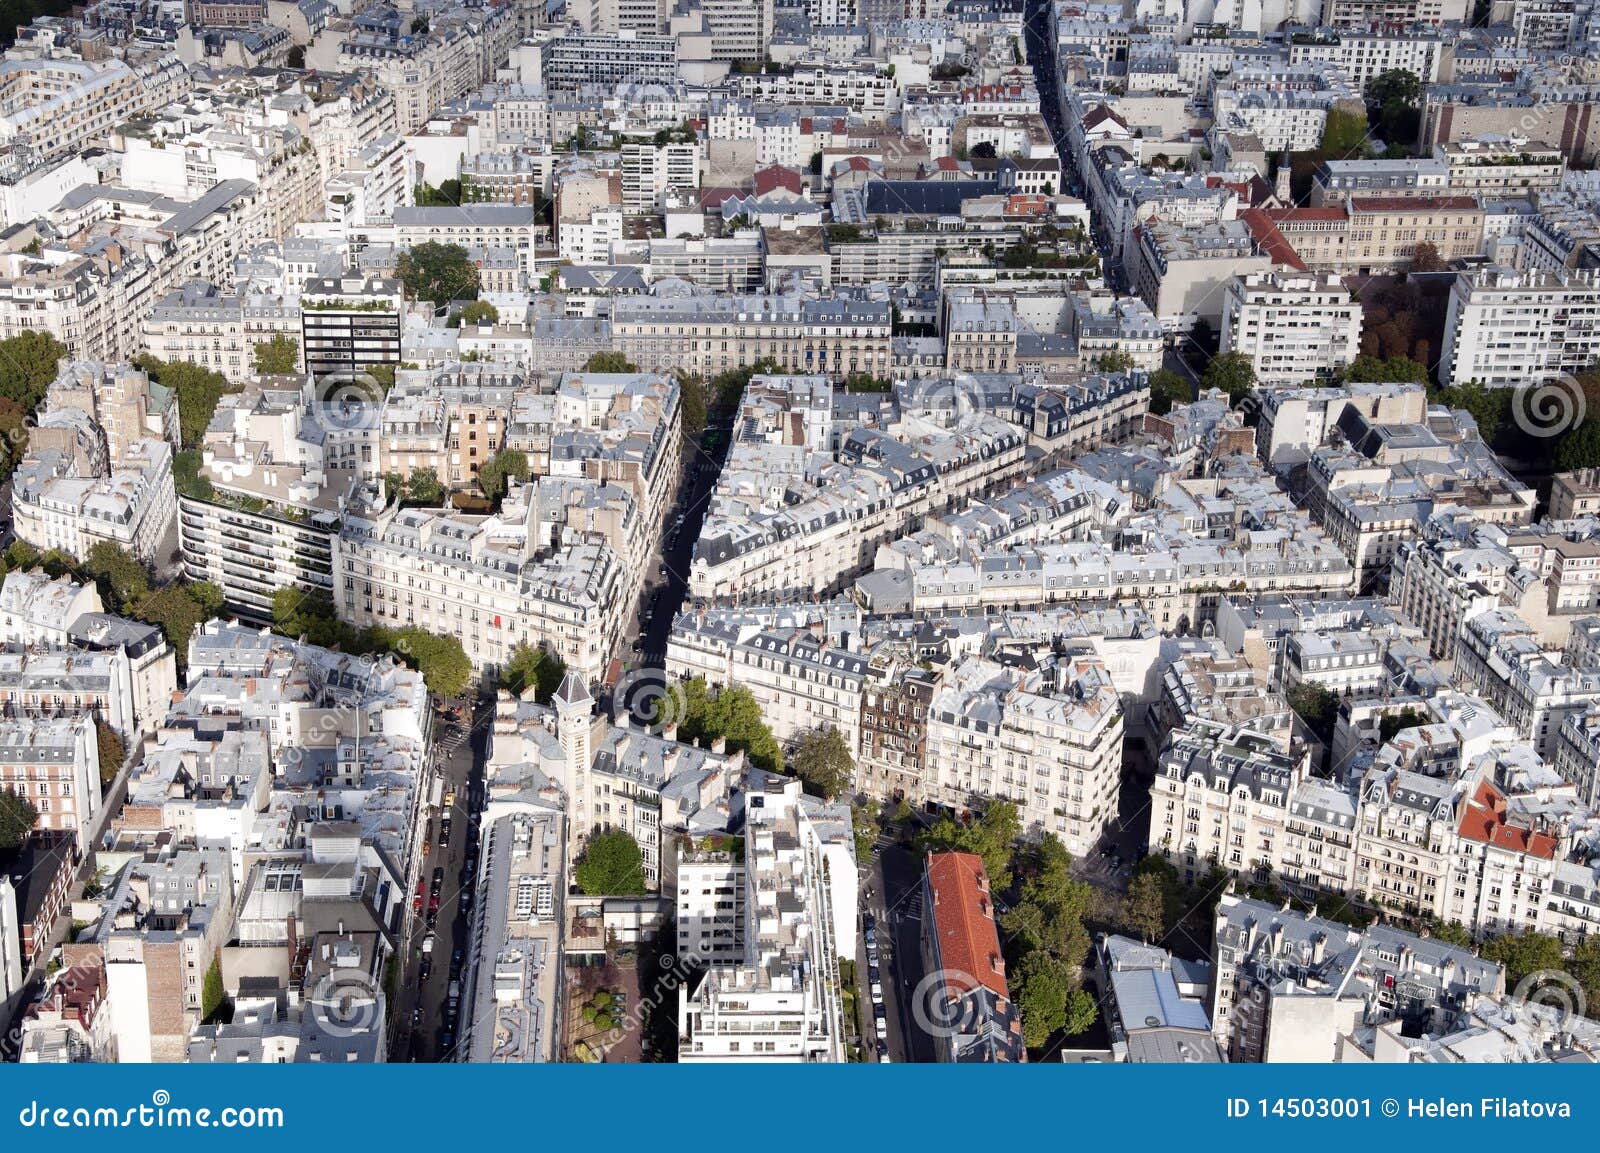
423, 487
1232, 372
1579, 447
609, 361
1318, 707
438, 273
992, 836
1406, 718
122, 579
691, 402
112, 752
28, 363
1425, 258
1344, 135
496, 473
1524, 954
611, 866
447, 195
177, 613
212, 994
1487, 406
822, 760
1450, 932
297, 56
1394, 84
1167, 388
441, 660
530, 666
1367, 369
1585, 966
733, 714
22, 555
199, 390
1043, 987
1144, 909
17, 816
187, 478
1081, 1013
479, 312
277, 356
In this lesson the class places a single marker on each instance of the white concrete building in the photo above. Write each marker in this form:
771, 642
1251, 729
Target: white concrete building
1293, 328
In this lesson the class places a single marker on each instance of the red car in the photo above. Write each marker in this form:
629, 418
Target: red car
416, 901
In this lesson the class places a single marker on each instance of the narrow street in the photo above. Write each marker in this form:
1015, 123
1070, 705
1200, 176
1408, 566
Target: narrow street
421, 1031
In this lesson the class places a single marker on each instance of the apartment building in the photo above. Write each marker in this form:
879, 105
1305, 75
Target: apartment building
349, 324
202, 325
57, 104
1506, 328
1050, 742
780, 1001
1501, 167
1288, 986
707, 335
1293, 328
54, 764
961, 947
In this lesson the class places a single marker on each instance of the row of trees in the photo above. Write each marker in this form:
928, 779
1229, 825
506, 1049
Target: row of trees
128, 588
1045, 938
441, 660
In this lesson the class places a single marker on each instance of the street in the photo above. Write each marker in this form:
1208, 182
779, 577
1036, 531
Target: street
664, 596
459, 753
895, 901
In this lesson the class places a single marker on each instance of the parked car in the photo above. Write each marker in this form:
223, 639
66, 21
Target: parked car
425, 970
427, 944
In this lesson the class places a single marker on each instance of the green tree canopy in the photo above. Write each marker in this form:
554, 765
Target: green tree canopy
423, 487
438, 273
441, 660
609, 361
112, 752
28, 363
123, 580
279, 355
1043, 987
199, 390
1406, 718
480, 312
1579, 447
822, 760
992, 836
611, 866
731, 713
1232, 372
1144, 908
1318, 707
1167, 388
1524, 954
691, 402
17, 816
498, 471
535, 667
177, 612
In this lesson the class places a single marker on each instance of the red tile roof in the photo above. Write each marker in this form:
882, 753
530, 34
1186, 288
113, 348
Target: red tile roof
776, 176
963, 921
1484, 819
1411, 203
1270, 240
